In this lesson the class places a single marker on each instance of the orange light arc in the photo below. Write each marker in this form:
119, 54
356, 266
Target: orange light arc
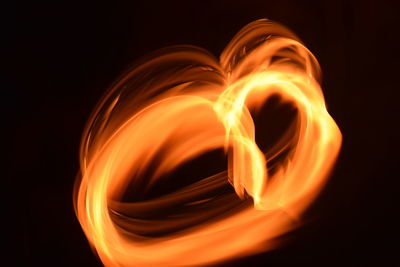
176, 105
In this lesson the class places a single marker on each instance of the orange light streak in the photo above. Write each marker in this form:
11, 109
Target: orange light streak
180, 103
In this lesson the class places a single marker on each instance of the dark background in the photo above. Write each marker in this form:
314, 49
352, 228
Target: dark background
60, 57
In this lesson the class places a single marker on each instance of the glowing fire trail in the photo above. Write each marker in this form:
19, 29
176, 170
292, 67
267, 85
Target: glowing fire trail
177, 105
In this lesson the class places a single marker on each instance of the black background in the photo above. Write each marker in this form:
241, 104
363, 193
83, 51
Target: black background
60, 57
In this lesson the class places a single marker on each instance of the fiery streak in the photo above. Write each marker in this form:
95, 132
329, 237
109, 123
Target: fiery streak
177, 105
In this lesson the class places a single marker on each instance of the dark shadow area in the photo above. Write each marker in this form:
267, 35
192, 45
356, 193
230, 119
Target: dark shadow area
191, 171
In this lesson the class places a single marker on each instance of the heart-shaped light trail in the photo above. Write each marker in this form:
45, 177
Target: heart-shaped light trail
180, 103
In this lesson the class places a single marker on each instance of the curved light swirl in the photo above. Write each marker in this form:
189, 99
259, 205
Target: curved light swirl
180, 103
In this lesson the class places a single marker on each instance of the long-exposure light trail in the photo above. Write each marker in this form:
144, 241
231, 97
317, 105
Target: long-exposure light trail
175, 106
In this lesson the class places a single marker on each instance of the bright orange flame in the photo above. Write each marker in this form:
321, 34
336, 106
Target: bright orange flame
179, 104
